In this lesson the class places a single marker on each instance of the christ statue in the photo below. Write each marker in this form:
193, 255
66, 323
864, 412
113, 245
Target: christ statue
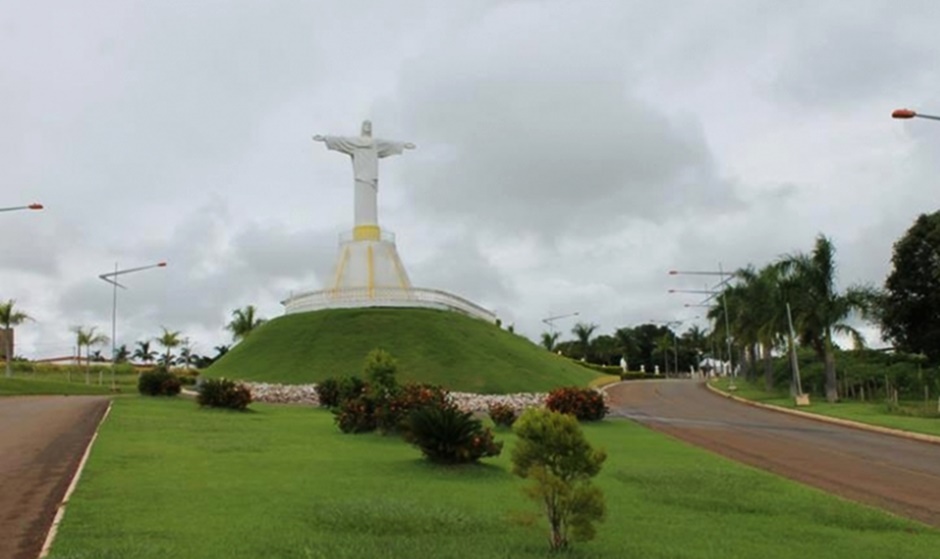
365, 152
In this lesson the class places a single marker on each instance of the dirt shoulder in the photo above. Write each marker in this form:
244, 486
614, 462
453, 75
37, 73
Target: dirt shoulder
42, 439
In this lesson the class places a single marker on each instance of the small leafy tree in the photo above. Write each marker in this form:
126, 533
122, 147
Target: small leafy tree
552, 451
380, 369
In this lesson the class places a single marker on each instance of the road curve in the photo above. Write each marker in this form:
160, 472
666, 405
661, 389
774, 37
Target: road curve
42, 439
897, 474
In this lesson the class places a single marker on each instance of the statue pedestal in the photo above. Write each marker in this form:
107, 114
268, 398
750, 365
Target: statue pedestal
368, 260
369, 273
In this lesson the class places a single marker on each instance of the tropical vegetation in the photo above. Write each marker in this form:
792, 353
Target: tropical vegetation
9, 319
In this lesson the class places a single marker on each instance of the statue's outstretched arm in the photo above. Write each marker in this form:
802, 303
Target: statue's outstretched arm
319, 138
409, 145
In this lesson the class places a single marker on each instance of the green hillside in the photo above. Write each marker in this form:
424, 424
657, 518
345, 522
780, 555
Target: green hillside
438, 347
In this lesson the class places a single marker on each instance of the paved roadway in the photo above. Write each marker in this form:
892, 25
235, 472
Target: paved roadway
894, 473
42, 439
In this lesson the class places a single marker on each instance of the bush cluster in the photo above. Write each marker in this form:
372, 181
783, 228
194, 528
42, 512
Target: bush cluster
393, 409
585, 404
422, 413
333, 391
158, 382
503, 415
446, 435
223, 393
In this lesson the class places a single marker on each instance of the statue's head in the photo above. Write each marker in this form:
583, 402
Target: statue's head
367, 128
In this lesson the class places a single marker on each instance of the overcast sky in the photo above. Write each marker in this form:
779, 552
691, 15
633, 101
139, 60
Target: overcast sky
569, 153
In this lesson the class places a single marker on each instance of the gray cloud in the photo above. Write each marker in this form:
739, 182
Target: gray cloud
570, 153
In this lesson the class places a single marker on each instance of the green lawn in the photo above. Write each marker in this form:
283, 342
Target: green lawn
438, 347
872, 413
60, 383
167, 479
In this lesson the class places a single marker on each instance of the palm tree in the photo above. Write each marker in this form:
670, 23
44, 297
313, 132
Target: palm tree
243, 322
819, 310
8, 319
87, 339
122, 354
664, 346
583, 332
144, 353
763, 312
548, 340
626, 343
169, 340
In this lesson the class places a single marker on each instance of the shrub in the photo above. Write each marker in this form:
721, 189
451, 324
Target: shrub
355, 415
583, 403
380, 368
328, 392
224, 393
158, 382
552, 451
503, 415
446, 435
351, 387
392, 409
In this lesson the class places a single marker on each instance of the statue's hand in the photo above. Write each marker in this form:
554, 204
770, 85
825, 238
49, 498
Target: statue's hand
409, 145
319, 138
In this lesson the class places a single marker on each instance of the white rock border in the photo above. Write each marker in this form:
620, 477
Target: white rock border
307, 394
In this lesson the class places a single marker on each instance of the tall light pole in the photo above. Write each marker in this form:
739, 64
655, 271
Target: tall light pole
715, 290
551, 320
908, 113
27, 207
111, 277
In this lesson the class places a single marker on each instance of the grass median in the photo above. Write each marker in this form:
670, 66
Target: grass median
62, 383
916, 417
167, 479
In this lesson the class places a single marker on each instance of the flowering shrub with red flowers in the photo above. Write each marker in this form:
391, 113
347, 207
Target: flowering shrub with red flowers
585, 404
393, 408
355, 415
503, 415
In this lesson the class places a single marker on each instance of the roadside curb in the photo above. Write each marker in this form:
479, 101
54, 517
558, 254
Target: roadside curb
827, 419
54, 528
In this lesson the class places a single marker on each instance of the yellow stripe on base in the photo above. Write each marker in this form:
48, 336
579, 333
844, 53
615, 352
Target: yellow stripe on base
371, 272
367, 233
340, 269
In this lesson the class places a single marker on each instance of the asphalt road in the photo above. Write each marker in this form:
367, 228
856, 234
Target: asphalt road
897, 474
42, 439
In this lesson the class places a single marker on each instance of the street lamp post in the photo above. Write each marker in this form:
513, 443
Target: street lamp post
111, 277
716, 290
908, 113
27, 207
551, 320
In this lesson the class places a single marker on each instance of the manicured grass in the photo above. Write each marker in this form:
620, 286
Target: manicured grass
60, 383
446, 348
169, 480
872, 413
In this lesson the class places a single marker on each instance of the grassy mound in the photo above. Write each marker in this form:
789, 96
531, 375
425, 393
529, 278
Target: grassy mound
438, 347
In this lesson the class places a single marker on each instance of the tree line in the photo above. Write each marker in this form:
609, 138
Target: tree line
176, 350
750, 310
